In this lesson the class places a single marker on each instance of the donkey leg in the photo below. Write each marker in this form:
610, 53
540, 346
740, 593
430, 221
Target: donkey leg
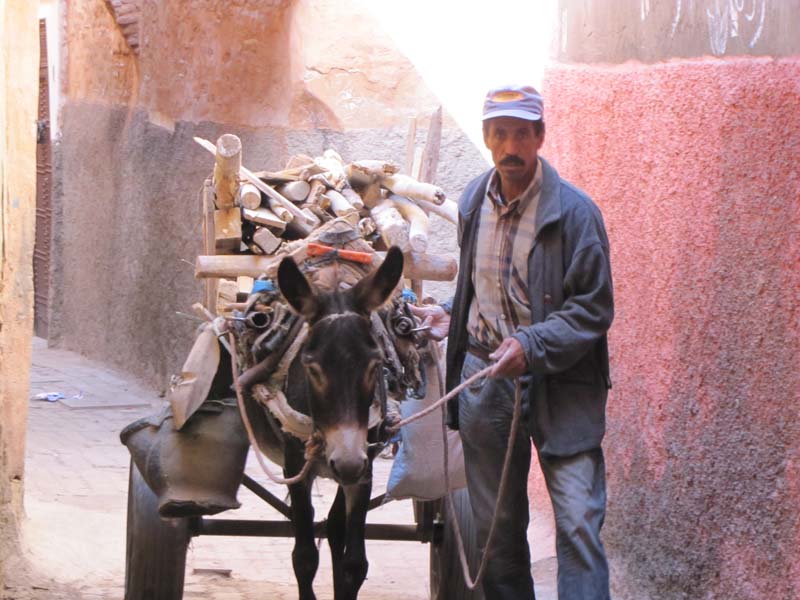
305, 556
354, 564
336, 528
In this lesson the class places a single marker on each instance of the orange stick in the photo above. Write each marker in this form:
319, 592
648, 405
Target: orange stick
315, 249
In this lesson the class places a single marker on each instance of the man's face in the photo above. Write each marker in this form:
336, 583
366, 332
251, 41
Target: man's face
514, 146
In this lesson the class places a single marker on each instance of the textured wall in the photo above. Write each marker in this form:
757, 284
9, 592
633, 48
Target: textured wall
282, 75
19, 62
695, 164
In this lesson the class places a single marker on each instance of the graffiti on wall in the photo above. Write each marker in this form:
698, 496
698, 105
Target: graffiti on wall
726, 19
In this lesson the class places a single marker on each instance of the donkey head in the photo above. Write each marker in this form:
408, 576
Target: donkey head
341, 358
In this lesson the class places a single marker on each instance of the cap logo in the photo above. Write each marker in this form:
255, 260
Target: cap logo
507, 96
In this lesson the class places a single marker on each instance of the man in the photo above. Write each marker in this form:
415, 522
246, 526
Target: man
533, 297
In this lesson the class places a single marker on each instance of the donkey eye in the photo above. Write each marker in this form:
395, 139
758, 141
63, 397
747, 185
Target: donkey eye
315, 374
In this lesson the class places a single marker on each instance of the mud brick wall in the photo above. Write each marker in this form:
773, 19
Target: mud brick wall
142, 78
681, 120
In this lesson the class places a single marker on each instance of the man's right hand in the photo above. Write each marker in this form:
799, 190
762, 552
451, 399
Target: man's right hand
433, 316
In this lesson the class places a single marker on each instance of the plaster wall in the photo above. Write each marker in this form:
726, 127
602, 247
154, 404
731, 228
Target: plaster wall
694, 163
19, 54
287, 77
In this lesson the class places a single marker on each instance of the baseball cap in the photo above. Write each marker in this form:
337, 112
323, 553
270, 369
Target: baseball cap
520, 101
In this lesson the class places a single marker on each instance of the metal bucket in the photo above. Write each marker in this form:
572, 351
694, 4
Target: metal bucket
194, 471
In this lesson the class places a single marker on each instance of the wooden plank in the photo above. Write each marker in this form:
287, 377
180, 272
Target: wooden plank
411, 141
430, 157
227, 229
264, 216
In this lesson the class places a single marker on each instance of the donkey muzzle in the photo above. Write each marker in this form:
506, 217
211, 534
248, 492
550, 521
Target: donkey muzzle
346, 453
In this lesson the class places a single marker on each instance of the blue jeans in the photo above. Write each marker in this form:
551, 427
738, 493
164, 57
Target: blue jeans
576, 485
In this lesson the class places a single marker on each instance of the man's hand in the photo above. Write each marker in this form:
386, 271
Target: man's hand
510, 359
433, 316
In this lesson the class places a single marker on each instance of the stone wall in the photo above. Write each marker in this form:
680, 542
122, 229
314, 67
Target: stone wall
694, 162
286, 76
19, 54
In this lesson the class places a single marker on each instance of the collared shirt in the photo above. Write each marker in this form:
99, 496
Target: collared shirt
506, 233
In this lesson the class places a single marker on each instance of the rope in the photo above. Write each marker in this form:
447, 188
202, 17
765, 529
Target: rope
426, 411
312, 445
462, 555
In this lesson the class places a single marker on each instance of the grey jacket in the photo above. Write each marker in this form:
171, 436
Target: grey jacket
572, 306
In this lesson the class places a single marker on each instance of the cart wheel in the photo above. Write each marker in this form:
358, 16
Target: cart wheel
447, 579
155, 560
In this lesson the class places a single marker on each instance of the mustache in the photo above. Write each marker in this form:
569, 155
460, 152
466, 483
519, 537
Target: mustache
512, 161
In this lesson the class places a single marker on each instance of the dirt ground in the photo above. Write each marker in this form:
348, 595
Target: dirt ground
73, 535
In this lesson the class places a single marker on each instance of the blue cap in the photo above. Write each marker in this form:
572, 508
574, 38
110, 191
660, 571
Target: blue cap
518, 101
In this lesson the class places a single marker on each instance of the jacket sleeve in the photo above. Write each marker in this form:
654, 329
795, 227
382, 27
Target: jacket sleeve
567, 334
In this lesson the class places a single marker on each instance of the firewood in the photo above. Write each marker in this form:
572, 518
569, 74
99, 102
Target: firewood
296, 191
429, 266
266, 240
417, 221
403, 185
226, 292
280, 210
265, 216
299, 161
448, 209
367, 171
333, 168
340, 206
391, 225
249, 196
246, 173
372, 195
228, 153
227, 229
352, 197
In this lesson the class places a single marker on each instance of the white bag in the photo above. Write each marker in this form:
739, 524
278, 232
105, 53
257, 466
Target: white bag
418, 469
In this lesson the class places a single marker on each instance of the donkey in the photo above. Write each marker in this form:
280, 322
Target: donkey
333, 379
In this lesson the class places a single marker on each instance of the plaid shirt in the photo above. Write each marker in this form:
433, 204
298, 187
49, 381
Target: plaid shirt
506, 233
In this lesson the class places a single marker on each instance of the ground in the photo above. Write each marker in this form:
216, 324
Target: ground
73, 534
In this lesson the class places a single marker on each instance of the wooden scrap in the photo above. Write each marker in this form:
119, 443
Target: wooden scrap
341, 207
403, 185
266, 240
391, 225
265, 216
249, 196
228, 160
296, 191
190, 389
417, 221
332, 166
432, 267
352, 197
227, 229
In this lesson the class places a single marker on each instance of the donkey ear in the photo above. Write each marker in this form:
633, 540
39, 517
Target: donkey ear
295, 288
372, 291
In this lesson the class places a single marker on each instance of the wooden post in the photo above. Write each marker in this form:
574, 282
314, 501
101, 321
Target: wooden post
209, 242
226, 170
430, 157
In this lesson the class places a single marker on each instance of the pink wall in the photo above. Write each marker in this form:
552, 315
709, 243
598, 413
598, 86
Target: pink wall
696, 166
